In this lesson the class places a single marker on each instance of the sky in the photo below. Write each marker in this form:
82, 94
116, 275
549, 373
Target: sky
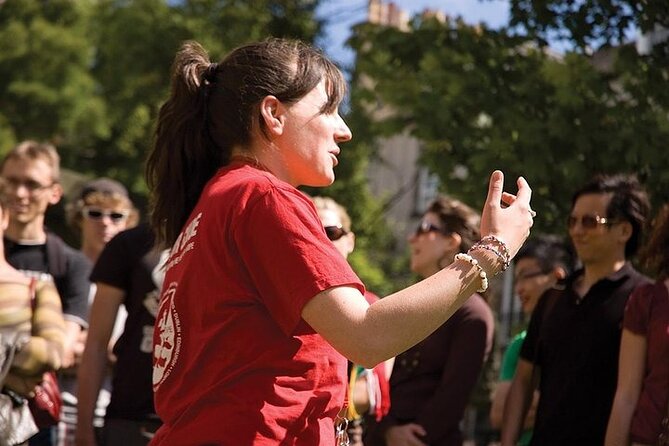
342, 14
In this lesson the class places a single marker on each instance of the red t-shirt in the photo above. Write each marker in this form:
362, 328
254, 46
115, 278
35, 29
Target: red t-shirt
647, 314
234, 363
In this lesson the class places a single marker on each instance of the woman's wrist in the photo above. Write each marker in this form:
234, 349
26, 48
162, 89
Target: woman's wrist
489, 261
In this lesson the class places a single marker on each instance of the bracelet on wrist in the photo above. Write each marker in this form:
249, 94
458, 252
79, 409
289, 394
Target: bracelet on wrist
479, 269
497, 247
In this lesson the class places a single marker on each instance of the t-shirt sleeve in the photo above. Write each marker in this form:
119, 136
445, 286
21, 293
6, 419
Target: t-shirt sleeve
75, 288
637, 311
287, 254
113, 265
530, 347
510, 358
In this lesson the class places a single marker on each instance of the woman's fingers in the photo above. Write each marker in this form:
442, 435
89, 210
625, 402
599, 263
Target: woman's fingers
508, 199
495, 188
524, 191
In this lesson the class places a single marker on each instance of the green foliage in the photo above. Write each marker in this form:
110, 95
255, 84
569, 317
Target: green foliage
481, 100
90, 77
47, 90
590, 23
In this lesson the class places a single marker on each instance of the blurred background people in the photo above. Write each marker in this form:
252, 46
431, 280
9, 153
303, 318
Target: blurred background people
101, 210
572, 343
128, 274
640, 413
540, 264
368, 392
432, 382
32, 309
32, 171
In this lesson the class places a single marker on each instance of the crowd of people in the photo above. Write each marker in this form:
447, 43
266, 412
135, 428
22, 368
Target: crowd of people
234, 318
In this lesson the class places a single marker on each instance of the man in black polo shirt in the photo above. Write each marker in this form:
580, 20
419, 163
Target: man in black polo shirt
572, 343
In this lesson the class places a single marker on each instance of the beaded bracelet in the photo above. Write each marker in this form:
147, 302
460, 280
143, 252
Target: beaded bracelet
475, 263
497, 247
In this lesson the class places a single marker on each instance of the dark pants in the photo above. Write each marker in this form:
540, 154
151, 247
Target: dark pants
45, 437
128, 433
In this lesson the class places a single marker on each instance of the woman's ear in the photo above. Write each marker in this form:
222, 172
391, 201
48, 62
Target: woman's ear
455, 241
272, 113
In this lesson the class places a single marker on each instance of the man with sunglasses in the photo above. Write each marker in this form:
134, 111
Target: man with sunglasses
32, 170
572, 343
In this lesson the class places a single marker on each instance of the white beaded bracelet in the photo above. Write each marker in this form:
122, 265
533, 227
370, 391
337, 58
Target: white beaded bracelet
475, 263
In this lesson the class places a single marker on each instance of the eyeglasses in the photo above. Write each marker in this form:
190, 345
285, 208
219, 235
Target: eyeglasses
334, 233
529, 275
98, 214
30, 185
589, 221
425, 226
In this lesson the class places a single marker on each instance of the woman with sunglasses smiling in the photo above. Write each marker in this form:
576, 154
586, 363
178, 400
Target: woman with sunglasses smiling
432, 381
258, 310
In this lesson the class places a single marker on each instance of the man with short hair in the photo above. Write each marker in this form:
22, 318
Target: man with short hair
32, 171
572, 342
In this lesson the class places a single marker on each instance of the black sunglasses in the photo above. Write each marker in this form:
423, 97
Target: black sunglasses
335, 232
98, 214
589, 221
425, 226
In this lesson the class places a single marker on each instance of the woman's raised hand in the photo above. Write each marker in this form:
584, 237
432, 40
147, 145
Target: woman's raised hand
508, 217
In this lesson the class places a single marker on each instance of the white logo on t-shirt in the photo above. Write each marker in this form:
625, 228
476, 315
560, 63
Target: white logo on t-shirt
184, 243
167, 337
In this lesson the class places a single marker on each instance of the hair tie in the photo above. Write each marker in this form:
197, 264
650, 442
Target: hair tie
210, 72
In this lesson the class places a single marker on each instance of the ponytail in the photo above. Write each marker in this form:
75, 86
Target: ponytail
183, 157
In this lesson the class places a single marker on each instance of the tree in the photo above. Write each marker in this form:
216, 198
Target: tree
481, 100
47, 89
90, 77
587, 24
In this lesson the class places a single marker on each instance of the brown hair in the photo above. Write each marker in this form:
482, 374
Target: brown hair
458, 218
213, 108
34, 150
655, 253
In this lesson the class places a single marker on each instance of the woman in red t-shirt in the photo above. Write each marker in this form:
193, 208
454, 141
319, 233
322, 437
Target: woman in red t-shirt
640, 412
258, 310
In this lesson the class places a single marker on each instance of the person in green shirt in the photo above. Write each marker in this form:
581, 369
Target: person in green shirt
540, 264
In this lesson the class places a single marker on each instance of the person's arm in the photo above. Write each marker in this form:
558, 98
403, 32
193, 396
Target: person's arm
44, 350
630, 378
497, 406
518, 402
368, 334
74, 290
94, 362
497, 403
